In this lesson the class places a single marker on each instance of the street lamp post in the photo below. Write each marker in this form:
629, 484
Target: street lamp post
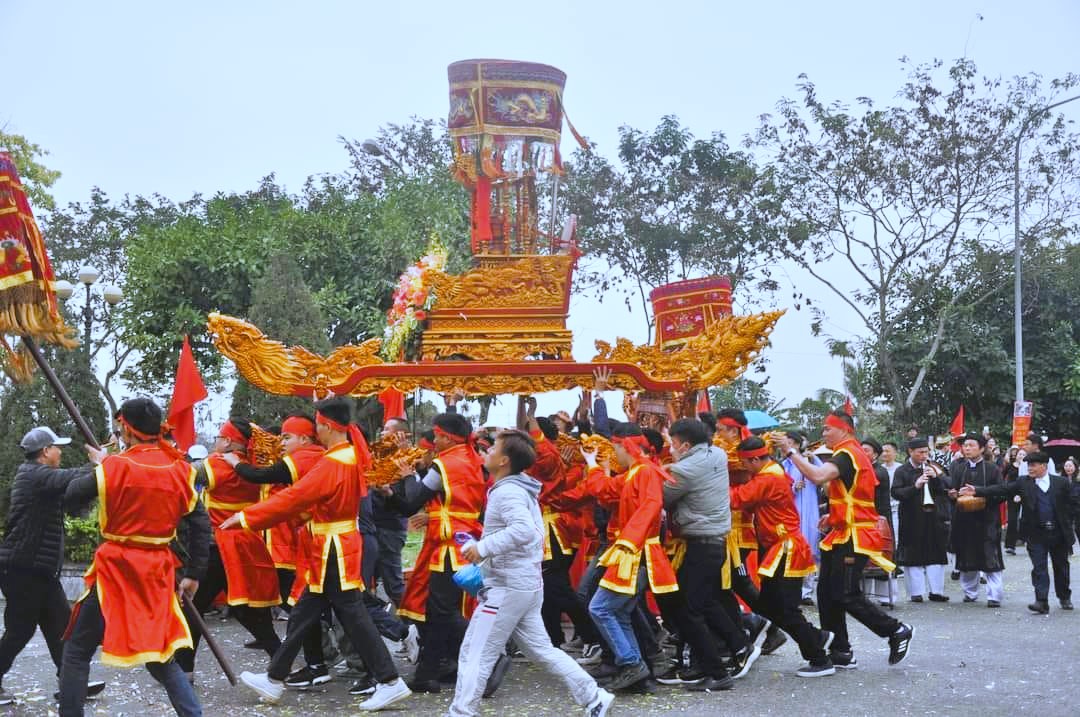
1018, 327
88, 275
375, 149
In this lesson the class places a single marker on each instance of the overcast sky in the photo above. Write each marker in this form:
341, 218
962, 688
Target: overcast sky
177, 98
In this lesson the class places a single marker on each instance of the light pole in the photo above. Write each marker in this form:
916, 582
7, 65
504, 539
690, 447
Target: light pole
375, 149
1018, 327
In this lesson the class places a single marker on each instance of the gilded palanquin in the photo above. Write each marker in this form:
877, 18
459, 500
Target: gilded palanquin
501, 327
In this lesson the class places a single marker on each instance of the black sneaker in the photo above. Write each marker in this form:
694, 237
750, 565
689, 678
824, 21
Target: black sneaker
916, 598
93, 689
843, 660
364, 686
823, 670
899, 642
774, 639
308, 676
647, 686
628, 675
743, 660
420, 686
954, 575
1039, 607
934, 597
1010, 551
1066, 604
670, 676
712, 684
758, 630
498, 673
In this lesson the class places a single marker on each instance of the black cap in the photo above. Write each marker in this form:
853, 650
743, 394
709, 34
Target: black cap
916, 443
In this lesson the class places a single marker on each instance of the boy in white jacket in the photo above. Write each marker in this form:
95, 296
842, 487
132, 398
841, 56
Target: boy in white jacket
512, 549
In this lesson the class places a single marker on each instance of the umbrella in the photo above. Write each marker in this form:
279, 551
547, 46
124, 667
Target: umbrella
1061, 448
756, 420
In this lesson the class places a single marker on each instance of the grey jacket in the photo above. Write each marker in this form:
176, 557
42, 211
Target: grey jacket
697, 500
513, 542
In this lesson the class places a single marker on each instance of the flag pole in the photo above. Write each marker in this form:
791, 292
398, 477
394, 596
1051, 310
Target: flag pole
80, 422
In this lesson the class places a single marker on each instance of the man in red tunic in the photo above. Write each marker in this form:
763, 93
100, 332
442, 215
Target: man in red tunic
287, 540
239, 563
131, 608
636, 559
853, 539
331, 492
784, 556
454, 493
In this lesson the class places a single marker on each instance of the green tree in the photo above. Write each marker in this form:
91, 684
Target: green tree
675, 207
36, 178
283, 307
24, 406
882, 205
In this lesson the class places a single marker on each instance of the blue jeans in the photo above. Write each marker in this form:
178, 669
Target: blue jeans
612, 612
75, 668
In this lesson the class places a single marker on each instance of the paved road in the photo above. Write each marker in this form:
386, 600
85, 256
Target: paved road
966, 659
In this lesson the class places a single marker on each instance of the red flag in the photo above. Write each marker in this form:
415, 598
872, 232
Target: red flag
849, 407
703, 401
957, 427
188, 391
393, 403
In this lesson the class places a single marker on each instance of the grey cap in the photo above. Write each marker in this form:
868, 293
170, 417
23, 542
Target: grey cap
41, 437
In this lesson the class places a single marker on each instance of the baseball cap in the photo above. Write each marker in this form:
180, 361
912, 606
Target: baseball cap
41, 437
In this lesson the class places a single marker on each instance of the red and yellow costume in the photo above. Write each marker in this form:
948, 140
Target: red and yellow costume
331, 492
640, 503
550, 470
852, 515
768, 497
249, 569
456, 509
142, 492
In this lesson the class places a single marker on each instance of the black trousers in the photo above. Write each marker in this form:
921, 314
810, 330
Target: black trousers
256, 620
1011, 530
840, 594
560, 597
444, 626
86, 635
697, 609
348, 608
1040, 547
32, 601
779, 601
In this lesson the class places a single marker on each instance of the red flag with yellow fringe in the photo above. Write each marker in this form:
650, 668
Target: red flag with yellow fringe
27, 300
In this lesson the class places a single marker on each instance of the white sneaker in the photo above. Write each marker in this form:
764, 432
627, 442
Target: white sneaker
412, 645
386, 694
599, 706
269, 690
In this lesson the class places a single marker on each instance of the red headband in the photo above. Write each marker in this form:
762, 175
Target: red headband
298, 426
356, 437
754, 452
164, 445
449, 436
232, 433
838, 423
425, 444
730, 422
636, 446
